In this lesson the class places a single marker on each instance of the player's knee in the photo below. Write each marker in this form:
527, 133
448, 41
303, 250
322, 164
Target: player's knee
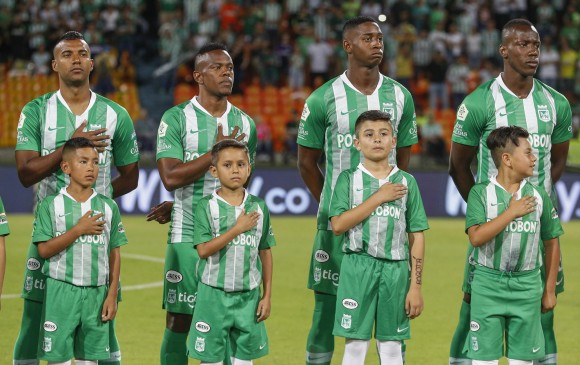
390, 349
485, 362
356, 348
178, 322
520, 362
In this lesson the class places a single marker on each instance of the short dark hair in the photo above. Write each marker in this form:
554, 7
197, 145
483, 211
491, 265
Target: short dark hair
206, 48
355, 22
512, 25
76, 143
227, 143
504, 139
71, 35
371, 115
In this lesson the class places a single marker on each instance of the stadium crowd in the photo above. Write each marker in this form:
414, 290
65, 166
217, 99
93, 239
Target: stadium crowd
440, 50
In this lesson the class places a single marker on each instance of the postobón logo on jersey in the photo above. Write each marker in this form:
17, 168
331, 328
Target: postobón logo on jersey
349, 303
474, 326
33, 264
522, 227
202, 327
321, 256
540, 141
326, 274
245, 240
49, 326
344, 140
190, 156
173, 276
90, 239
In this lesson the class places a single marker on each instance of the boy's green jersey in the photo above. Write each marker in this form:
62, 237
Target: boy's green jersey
384, 234
236, 267
186, 132
545, 114
86, 261
47, 122
517, 247
328, 121
4, 229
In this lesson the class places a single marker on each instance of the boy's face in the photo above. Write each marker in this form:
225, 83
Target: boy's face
82, 166
232, 168
375, 140
522, 159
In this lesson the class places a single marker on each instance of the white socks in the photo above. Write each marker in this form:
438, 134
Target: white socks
484, 362
60, 363
86, 362
390, 352
234, 362
355, 352
520, 362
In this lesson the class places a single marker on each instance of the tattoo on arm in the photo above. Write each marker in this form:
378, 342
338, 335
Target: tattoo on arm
418, 270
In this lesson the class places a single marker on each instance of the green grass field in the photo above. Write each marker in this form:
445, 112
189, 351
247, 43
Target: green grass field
141, 319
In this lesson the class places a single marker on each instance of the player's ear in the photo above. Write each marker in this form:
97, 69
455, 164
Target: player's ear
213, 171
503, 51
198, 77
506, 159
65, 167
356, 142
346, 46
54, 65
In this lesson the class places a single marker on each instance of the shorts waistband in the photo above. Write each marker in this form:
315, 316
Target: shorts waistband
510, 274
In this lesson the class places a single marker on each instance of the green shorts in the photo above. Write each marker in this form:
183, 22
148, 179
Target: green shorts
34, 279
71, 323
325, 262
221, 315
180, 284
506, 303
372, 292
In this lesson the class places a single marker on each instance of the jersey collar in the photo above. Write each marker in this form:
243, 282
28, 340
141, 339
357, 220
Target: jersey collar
198, 105
523, 183
347, 81
394, 170
215, 194
65, 193
85, 114
504, 86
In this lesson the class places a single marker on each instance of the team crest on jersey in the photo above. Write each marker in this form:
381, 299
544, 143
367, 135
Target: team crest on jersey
474, 344
544, 113
554, 213
171, 296
200, 344
462, 112
47, 344
390, 112
346, 321
317, 274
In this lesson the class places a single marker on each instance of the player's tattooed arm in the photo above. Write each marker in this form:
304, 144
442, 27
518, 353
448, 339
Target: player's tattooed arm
414, 300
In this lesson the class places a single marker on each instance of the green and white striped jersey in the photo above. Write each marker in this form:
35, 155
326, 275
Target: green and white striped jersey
4, 229
236, 267
384, 233
47, 122
328, 120
517, 247
545, 114
86, 261
186, 132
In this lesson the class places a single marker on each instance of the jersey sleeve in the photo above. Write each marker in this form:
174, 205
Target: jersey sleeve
202, 232
28, 130
470, 120
415, 213
340, 202
252, 143
407, 129
4, 229
125, 148
268, 240
169, 136
563, 129
550, 226
475, 213
312, 127
43, 229
118, 237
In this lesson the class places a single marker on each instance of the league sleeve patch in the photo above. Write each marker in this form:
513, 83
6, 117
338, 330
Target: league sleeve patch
162, 129
120, 228
21, 120
554, 213
462, 112
305, 112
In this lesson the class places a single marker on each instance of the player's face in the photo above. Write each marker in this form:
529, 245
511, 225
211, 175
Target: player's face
72, 61
232, 168
375, 140
215, 73
523, 159
364, 44
521, 51
82, 166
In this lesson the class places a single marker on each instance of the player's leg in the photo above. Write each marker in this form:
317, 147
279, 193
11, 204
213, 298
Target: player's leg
459, 343
69, 362
390, 352
485, 362
551, 348
323, 279
355, 351
115, 350
179, 291
520, 362
85, 362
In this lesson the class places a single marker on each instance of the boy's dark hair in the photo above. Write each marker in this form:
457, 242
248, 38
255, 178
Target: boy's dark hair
355, 22
512, 25
504, 139
76, 143
208, 47
227, 143
371, 115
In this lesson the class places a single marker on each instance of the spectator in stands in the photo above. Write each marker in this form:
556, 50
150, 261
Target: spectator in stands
549, 61
422, 51
296, 71
568, 58
264, 151
438, 38
404, 65
432, 139
455, 42
457, 78
41, 60
473, 48
437, 71
319, 55
490, 38
146, 130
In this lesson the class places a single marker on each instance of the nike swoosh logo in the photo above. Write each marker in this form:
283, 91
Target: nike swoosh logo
52, 129
63, 215
107, 349
535, 349
262, 346
496, 204
313, 357
504, 114
347, 112
193, 131
560, 281
399, 330
216, 218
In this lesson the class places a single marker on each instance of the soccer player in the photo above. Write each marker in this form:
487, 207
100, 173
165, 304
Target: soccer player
379, 211
79, 233
327, 123
507, 219
4, 231
186, 134
45, 124
513, 98
233, 237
